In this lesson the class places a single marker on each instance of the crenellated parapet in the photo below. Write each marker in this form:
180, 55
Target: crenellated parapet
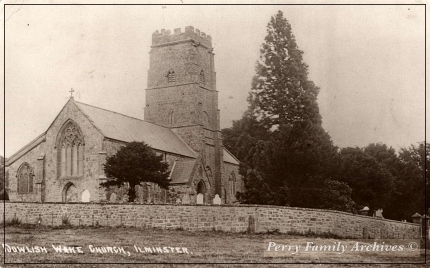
165, 36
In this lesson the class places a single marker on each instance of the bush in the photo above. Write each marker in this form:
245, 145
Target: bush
65, 219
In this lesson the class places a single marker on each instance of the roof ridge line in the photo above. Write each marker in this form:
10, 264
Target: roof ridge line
104, 109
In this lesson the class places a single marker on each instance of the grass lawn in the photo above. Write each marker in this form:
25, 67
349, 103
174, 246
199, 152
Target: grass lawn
190, 248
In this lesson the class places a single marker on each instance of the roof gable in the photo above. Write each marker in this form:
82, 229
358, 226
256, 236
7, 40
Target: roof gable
229, 157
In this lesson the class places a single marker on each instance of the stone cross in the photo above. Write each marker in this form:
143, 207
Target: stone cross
71, 93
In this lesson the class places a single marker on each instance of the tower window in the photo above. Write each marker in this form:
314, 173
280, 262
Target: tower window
25, 179
170, 121
205, 120
171, 76
202, 77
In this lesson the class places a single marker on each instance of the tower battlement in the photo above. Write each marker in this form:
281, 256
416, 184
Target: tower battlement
165, 36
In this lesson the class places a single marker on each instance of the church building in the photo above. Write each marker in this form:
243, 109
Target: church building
182, 123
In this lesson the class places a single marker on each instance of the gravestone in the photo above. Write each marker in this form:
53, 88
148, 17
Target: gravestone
378, 213
217, 200
112, 198
186, 199
200, 199
86, 196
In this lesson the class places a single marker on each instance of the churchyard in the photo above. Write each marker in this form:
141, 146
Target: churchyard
73, 245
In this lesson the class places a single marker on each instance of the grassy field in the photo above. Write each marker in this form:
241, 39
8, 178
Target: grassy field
192, 249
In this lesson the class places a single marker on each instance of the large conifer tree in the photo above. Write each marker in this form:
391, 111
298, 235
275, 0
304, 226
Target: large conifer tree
295, 163
281, 92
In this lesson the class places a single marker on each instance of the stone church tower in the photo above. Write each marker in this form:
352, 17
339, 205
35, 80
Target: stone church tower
182, 95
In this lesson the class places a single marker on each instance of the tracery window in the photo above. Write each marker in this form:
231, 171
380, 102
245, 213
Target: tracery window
71, 151
25, 179
202, 77
171, 76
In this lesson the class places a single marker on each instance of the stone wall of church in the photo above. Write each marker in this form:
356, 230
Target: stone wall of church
208, 218
30, 158
54, 184
146, 192
228, 170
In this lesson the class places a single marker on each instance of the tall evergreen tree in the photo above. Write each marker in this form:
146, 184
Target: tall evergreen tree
281, 92
290, 154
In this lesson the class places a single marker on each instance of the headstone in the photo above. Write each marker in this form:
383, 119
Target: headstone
378, 213
217, 200
186, 199
365, 211
112, 198
200, 199
86, 196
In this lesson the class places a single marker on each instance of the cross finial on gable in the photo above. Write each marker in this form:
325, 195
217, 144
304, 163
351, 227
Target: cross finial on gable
71, 93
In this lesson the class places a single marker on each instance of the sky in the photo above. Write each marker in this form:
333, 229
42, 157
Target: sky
367, 60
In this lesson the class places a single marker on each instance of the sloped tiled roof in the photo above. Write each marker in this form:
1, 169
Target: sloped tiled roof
181, 172
229, 157
124, 128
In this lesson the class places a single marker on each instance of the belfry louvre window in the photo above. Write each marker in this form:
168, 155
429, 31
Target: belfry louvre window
71, 148
25, 179
171, 76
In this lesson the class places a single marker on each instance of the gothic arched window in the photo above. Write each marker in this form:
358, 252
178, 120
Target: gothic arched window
25, 179
202, 77
70, 148
171, 76
205, 120
232, 184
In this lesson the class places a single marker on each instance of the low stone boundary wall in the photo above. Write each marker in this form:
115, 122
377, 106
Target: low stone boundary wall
207, 218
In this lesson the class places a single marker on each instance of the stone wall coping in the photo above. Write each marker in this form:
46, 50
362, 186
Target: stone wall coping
215, 206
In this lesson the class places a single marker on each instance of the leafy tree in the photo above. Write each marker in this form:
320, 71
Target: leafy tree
243, 136
295, 159
411, 183
133, 164
407, 170
3, 175
281, 92
330, 194
371, 182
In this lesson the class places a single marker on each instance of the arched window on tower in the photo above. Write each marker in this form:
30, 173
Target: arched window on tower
205, 120
25, 179
70, 149
202, 77
171, 76
170, 120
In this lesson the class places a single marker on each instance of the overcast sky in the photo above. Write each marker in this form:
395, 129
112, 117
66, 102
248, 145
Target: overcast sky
367, 60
